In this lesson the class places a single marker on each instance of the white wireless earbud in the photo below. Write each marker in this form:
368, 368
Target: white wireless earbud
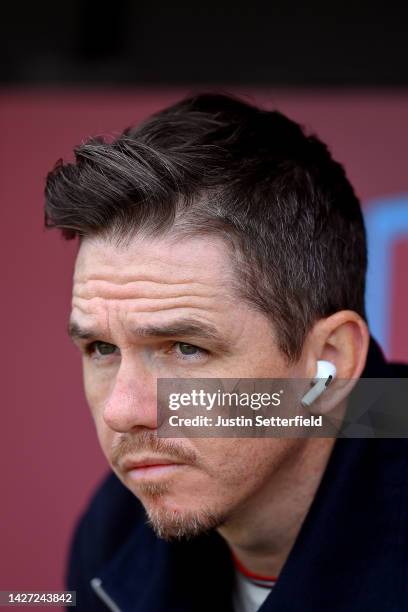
325, 372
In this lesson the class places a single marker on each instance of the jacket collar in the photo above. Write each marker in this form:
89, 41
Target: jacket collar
149, 575
348, 555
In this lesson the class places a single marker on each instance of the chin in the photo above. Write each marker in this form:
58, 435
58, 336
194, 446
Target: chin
175, 519
173, 523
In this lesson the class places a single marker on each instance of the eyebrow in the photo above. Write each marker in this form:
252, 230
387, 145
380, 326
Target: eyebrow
183, 327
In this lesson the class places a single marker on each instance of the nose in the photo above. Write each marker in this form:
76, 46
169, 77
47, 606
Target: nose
132, 401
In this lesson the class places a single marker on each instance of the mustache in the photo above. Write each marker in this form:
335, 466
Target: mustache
146, 441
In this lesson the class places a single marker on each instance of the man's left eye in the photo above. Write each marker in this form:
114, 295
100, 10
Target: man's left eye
185, 350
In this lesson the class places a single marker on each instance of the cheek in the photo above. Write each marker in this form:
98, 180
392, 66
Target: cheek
97, 385
104, 434
241, 462
96, 393
232, 472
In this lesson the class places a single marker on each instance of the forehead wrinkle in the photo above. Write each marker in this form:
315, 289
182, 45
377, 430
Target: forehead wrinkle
142, 289
193, 260
138, 305
124, 279
99, 308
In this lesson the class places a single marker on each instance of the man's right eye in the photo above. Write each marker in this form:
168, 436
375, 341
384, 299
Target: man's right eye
100, 349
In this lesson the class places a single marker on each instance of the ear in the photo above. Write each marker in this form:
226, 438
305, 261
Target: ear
343, 339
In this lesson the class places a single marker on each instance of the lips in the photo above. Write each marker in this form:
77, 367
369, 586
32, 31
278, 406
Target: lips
144, 462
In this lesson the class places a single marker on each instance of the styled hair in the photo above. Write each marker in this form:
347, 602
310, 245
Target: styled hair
214, 164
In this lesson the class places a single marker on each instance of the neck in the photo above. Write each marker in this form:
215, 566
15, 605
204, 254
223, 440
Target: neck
262, 531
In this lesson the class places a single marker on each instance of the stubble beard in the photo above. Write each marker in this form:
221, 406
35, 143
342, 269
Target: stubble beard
166, 523
173, 525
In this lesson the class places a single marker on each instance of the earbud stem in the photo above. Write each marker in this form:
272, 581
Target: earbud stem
314, 393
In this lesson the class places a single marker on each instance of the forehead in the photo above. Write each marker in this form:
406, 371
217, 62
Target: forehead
200, 259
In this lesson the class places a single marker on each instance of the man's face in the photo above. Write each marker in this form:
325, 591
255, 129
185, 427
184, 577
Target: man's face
166, 308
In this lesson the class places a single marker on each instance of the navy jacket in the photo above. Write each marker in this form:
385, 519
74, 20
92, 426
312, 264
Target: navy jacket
351, 554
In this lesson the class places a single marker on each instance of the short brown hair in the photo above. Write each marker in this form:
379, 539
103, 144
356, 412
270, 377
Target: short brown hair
215, 164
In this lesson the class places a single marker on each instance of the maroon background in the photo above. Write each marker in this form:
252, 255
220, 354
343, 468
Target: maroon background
50, 459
